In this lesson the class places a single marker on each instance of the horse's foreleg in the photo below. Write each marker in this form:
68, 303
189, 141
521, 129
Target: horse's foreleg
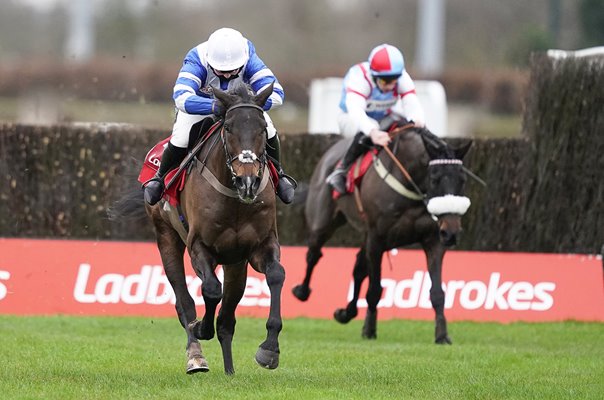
204, 265
434, 255
235, 278
374, 289
267, 355
359, 273
316, 240
172, 250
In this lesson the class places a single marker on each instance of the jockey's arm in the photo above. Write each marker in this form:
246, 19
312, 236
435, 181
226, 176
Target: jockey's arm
191, 77
356, 105
259, 77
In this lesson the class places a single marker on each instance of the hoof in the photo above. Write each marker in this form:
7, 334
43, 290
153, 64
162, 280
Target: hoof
342, 316
202, 330
301, 292
443, 340
369, 335
267, 359
197, 364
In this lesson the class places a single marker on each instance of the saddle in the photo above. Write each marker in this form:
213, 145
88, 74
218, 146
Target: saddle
355, 173
175, 179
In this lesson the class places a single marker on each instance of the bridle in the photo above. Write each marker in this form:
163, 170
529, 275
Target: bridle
436, 206
246, 156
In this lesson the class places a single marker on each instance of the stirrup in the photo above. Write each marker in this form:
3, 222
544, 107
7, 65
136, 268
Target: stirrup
153, 190
286, 188
337, 180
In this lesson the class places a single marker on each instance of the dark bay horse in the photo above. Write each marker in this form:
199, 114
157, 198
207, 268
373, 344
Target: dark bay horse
396, 211
229, 204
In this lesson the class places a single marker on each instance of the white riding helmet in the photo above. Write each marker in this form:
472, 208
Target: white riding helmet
227, 50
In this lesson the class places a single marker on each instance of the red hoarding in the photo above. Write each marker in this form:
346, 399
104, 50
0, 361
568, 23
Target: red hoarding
41, 277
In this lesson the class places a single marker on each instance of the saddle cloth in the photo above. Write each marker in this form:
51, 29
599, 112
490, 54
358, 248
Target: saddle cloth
150, 167
355, 173
172, 193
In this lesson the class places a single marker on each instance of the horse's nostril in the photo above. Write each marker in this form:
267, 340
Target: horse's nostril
239, 183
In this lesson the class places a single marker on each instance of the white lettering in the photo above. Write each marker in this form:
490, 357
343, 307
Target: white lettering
135, 286
450, 289
107, 289
159, 291
541, 293
496, 293
412, 288
520, 296
475, 289
151, 286
79, 291
472, 295
4, 276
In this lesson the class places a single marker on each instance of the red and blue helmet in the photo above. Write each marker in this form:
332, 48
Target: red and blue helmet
386, 61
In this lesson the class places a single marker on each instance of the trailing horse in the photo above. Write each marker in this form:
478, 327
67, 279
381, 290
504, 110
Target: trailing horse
228, 205
411, 193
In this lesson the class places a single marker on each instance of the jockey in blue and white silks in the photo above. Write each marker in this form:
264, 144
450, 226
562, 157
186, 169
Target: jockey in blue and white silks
373, 91
226, 59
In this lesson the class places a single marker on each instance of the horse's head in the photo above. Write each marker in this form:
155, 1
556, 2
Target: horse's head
445, 195
244, 138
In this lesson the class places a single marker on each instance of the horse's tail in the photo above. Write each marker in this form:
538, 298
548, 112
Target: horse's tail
131, 204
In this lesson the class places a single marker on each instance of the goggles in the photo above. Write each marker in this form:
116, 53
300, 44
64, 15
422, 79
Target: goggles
230, 73
386, 80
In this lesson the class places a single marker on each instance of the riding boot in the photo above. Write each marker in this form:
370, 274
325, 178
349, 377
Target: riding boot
286, 185
358, 147
154, 187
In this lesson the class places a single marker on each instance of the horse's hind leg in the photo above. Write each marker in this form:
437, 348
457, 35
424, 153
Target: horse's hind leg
316, 240
359, 273
172, 251
235, 278
434, 255
204, 265
267, 262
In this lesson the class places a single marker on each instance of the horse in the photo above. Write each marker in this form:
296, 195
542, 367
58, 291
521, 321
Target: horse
412, 193
230, 210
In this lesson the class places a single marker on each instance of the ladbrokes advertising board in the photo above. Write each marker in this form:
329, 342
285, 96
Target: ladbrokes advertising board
40, 277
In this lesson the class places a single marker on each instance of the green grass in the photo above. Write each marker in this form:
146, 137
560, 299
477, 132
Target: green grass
118, 358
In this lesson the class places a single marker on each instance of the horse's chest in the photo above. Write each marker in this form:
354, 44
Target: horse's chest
405, 229
236, 231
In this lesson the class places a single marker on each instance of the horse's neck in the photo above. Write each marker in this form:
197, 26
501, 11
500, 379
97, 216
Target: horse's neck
413, 157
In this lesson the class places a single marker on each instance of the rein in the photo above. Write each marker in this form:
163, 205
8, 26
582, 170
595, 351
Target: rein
418, 195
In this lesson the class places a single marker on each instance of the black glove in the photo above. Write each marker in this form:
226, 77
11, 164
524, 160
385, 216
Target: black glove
218, 108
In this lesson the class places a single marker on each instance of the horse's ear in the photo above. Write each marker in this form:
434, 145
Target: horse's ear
433, 145
260, 98
461, 151
225, 98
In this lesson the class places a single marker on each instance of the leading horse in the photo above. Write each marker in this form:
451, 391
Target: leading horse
229, 206
410, 194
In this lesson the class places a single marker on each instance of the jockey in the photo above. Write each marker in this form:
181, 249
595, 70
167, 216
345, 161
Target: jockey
223, 61
375, 94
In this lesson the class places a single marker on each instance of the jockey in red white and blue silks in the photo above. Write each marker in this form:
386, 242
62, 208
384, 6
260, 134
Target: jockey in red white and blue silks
364, 104
373, 91
225, 60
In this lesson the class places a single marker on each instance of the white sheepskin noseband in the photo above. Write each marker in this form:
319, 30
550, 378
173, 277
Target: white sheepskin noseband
448, 204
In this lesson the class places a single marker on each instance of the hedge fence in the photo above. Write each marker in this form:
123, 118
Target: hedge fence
545, 191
